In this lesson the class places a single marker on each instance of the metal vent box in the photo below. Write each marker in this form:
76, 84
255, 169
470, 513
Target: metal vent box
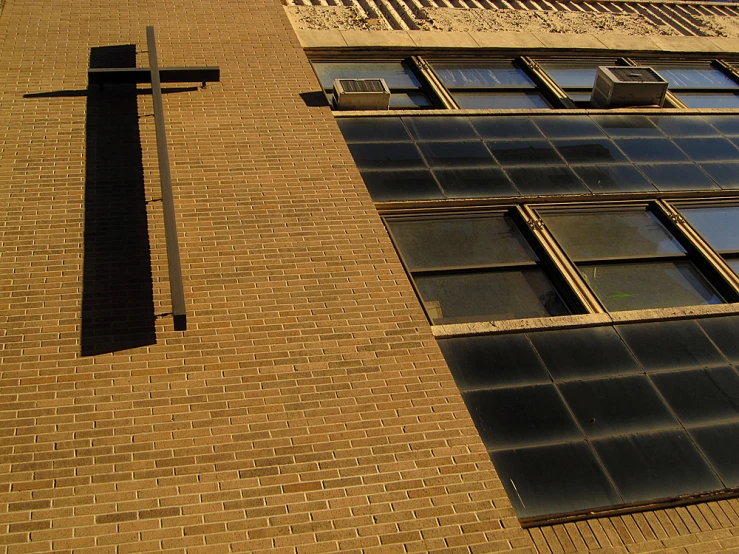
361, 94
627, 86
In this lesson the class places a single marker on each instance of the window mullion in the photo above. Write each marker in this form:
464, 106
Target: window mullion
551, 90
565, 268
435, 83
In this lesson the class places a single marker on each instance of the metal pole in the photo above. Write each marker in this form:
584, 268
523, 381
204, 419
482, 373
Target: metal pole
170, 225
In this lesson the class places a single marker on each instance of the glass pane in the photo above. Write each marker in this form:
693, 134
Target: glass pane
589, 151
611, 233
459, 241
718, 225
509, 100
727, 124
709, 100
386, 155
734, 265
396, 74
726, 174
547, 180
568, 127
708, 149
627, 126
613, 178
505, 128
440, 128
479, 296
639, 286
686, 176
481, 75
493, 361
718, 444
578, 353
607, 407
670, 345
475, 182
409, 100
707, 77
579, 96
373, 129
568, 76
520, 416
683, 126
724, 332
456, 154
651, 150
524, 152
389, 186
652, 466
554, 479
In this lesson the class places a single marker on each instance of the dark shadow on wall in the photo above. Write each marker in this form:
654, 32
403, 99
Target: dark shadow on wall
117, 295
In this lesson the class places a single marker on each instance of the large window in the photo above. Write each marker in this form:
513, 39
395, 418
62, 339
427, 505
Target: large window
700, 85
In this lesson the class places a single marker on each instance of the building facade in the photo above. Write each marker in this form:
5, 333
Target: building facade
488, 319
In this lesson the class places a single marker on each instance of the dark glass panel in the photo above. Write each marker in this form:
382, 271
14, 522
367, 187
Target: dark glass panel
590, 352
475, 182
568, 127
582, 96
708, 149
613, 178
727, 124
481, 75
554, 479
569, 76
440, 128
709, 99
493, 361
459, 241
484, 296
670, 345
719, 445
386, 155
616, 406
373, 129
611, 233
501, 100
657, 465
589, 151
726, 174
520, 416
524, 152
651, 150
718, 225
409, 100
505, 128
724, 332
639, 286
627, 126
389, 186
396, 74
701, 396
546, 180
734, 265
677, 176
456, 154
683, 126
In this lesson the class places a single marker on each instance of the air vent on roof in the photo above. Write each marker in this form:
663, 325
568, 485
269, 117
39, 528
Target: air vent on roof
628, 86
361, 94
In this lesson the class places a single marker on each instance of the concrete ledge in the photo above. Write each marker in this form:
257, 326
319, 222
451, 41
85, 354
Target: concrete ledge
726, 44
321, 39
506, 39
375, 39
628, 42
589, 42
686, 44
442, 39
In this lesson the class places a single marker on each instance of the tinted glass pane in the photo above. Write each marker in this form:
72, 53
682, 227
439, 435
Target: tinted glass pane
396, 74
409, 100
500, 100
506, 128
493, 361
440, 128
373, 129
638, 286
524, 152
670, 345
734, 265
656, 465
389, 186
724, 332
627, 125
456, 154
481, 75
727, 124
577, 353
520, 416
580, 96
707, 77
386, 155
459, 241
718, 443
677, 176
701, 396
475, 182
572, 76
554, 479
709, 100
683, 126
617, 406
589, 151
726, 174
708, 149
651, 150
546, 180
613, 178
718, 225
487, 296
568, 127
611, 233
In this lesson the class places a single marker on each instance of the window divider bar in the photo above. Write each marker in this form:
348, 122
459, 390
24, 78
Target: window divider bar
551, 90
435, 83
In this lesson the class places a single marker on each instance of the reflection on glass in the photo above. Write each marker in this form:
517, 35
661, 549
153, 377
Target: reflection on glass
409, 100
568, 76
546, 180
481, 75
386, 155
456, 154
589, 151
568, 127
396, 74
718, 225
627, 126
373, 129
440, 128
726, 174
707, 77
679, 176
500, 100
613, 178
388, 186
475, 182
651, 150
683, 126
505, 127
718, 444
524, 152
708, 149
727, 124
709, 100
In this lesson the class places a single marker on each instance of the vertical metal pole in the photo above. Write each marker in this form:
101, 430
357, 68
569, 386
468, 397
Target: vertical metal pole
170, 225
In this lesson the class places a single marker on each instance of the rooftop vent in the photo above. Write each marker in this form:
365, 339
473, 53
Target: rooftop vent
628, 86
361, 94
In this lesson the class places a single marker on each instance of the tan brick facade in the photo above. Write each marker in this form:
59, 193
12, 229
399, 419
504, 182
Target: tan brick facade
307, 407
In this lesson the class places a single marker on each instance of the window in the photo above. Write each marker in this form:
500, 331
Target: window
700, 85
575, 77
719, 226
